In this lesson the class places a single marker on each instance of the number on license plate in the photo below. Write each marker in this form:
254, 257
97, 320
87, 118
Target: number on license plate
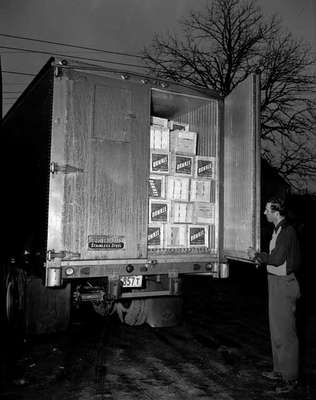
132, 281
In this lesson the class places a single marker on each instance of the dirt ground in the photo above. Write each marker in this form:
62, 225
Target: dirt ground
218, 351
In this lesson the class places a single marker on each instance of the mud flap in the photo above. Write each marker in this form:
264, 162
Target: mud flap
47, 310
164, 311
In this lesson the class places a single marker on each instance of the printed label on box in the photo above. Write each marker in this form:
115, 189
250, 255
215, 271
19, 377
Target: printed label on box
176, 235
156, 186
205, 167
155, 236
198, 236
178, 188
183, 165
158, 211
159, 162
200, 190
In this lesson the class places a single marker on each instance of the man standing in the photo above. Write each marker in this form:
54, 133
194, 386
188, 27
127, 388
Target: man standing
282, 263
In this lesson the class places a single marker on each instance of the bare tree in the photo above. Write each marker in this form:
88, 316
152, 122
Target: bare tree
219, 46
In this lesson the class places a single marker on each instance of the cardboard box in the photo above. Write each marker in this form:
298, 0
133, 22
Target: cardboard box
176, 235
198, 236
157, 186
178, 188
159, 162
159, 138
182, 165
155, 236
159, 211
178, 126
182, 212
200, 190
183, 142
204, 167
164, 122
204, 213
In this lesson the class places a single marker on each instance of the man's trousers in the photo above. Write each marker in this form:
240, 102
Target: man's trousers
283, 294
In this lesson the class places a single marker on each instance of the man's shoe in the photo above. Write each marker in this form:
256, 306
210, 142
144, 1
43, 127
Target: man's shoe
286, 387
272, 375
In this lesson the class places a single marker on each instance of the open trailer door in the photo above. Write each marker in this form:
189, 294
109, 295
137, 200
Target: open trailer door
241, 215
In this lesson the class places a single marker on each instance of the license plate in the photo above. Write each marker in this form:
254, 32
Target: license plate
131, 281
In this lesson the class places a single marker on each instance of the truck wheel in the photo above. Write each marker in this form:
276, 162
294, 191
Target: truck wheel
47, 309
6, 296
12, 299
136, 313
11, 321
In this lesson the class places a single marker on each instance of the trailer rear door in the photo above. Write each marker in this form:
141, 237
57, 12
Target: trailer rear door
98, 189
241, 213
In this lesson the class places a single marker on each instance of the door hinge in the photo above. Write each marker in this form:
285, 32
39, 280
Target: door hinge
65, 169
51, 254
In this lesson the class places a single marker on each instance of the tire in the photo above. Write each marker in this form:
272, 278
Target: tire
11, 300
136, 314
12, 321
14, 300
3, 295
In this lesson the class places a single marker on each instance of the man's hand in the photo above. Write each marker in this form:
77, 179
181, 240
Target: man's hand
251, 253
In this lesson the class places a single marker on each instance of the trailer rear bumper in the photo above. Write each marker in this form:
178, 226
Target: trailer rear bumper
74, 269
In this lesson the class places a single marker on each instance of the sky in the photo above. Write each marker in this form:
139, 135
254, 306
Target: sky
114, 25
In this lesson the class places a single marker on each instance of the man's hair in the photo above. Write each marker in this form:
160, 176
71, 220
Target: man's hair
278, 204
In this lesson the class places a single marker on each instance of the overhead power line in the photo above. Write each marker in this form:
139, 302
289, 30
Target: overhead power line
65, 55
17, 73
71, 45
13, 83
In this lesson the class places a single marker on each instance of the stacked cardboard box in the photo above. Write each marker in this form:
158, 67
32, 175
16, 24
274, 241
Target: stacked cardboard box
155, 236
178, 188
180, 207
157, 186
159, 207
176, 236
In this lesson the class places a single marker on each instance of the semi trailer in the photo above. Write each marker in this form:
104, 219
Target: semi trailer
119, 185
